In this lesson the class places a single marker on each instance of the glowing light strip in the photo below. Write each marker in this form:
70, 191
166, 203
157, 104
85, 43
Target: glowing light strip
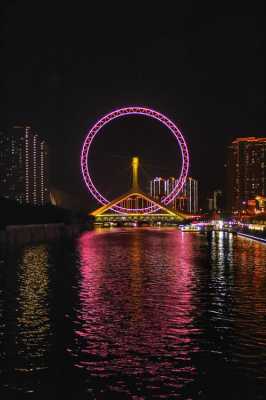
138, 215
134, 111
252, 237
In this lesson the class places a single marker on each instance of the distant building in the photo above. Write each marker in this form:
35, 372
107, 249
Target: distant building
246, 172
11, 167
191, 192
169, 184
157, 188
214, 202
260, 204
187, 200
24, 174
210, 204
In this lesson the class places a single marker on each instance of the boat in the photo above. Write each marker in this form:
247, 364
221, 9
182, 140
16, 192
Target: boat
189, 228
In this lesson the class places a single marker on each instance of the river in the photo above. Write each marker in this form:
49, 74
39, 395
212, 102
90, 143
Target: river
134, 313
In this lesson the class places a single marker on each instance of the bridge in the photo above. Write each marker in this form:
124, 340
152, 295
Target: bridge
136, 207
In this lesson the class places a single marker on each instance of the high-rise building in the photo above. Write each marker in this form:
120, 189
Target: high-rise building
157, 188
24, 166
190, 192
187, 200
246, 172
169, 184
214, 202
11, 171
210, 203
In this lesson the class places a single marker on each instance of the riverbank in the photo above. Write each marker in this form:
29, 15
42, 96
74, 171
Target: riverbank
24, 234
261, 239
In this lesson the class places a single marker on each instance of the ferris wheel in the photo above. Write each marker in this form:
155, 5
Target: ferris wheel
126, 111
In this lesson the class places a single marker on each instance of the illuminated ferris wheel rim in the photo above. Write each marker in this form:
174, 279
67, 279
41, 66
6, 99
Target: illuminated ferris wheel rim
135, 110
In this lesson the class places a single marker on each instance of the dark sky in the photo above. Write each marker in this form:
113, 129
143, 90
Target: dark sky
64, 66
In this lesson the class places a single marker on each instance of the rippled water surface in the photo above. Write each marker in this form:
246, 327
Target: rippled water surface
136, 314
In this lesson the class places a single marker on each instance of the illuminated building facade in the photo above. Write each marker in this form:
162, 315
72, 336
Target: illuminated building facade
246, 172
214, 202
24, 166
11, 167
186, 201
157, 188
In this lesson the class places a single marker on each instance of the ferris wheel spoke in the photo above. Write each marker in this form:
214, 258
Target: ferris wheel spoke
134, 111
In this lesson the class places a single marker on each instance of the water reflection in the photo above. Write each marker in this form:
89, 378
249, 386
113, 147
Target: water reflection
135, 318
249, 293
33, 321
27, 315
237, 293
139, 314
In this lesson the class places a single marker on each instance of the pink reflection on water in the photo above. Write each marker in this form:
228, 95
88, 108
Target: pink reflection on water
135, 305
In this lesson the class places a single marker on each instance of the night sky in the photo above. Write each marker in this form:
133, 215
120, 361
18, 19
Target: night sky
64, 66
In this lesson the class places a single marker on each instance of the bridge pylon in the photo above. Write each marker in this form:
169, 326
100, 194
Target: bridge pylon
138, 200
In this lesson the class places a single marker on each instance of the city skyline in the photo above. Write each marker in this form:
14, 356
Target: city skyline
125, 158
182, 68
207, 203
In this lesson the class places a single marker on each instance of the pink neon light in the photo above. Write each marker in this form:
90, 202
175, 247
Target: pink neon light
134, 111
